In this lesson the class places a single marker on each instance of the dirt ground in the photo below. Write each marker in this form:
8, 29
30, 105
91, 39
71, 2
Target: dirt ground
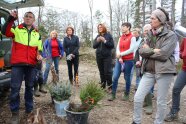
116, 112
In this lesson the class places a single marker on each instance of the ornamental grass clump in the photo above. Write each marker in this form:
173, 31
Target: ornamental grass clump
61, 91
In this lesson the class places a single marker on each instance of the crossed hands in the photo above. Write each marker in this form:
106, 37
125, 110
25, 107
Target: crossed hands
100, 39
154, 50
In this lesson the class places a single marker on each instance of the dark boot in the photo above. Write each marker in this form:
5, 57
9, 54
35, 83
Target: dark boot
171, 117
145, 102
112, 97
42, 88
36, 91
71, 81
109, 85
134, 122
15, 118
148, 108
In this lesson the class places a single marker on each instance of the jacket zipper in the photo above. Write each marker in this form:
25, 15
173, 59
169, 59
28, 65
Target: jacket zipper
29, 34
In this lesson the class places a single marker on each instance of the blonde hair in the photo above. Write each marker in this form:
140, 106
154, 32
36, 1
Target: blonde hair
52, 32
137, 30
147, 27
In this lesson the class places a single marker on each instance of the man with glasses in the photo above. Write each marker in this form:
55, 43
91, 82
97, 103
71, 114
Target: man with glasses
26, 51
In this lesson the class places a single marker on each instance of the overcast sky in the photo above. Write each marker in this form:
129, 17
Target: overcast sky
81, 6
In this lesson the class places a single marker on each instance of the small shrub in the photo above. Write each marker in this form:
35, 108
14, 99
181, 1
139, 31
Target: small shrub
61, 91
90, 94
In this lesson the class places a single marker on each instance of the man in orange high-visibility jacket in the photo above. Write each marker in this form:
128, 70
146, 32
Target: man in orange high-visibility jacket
26, 49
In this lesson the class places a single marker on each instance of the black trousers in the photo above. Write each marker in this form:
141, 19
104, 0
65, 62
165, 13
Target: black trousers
70, 63
105, 69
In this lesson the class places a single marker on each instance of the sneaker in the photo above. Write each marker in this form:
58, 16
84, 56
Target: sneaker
15, 118
171, 117
125, 97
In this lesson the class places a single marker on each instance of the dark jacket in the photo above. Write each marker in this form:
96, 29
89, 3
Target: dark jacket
47, 49
104, 49
71, 46
164, 60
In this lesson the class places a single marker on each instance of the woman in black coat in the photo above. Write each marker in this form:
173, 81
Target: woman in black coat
104, 44
71, 48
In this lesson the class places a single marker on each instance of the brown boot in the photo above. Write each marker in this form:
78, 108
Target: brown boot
15, 118
42, 88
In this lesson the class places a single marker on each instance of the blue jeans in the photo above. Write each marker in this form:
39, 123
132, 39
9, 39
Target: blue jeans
47, 68
17, 75
178, 87
127, 73
138, 77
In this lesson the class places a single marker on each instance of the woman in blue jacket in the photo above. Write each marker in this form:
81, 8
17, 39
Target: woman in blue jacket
53, 51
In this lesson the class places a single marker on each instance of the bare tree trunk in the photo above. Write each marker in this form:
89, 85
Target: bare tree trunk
183, 16
162, 3
173, 12
143, 9
39, 17
118, 20
110, 11
153, 5
128, 10
90, 2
